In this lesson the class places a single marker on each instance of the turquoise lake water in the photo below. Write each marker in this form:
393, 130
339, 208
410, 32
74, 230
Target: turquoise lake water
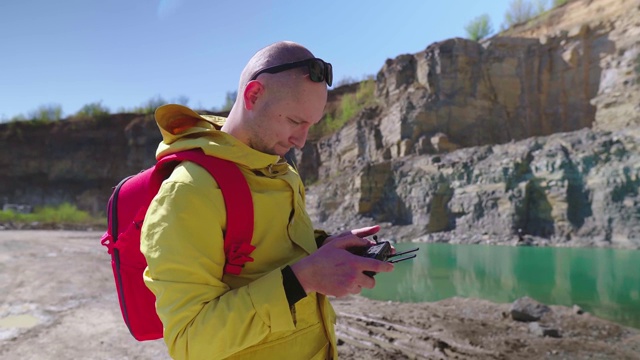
604, 282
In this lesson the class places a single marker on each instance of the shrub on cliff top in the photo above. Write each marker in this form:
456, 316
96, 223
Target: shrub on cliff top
42, 114
479, 28
149, 107
520, 11
47, 113
350, 106
229, 100
93, 110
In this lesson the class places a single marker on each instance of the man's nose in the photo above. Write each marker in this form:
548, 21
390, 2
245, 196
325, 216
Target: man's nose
299, 138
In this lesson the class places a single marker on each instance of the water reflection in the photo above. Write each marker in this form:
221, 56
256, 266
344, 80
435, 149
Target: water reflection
605, 282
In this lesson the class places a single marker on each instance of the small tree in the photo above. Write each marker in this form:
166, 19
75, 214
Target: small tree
182, 100
150, 105
46, 113
540, 7
229, 100
93, 110
347, 80
479, 28
519, 11
19, 117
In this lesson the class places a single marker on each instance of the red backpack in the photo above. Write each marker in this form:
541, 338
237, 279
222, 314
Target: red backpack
126, 210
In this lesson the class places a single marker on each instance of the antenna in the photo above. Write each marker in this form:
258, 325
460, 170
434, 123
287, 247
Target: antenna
393, 261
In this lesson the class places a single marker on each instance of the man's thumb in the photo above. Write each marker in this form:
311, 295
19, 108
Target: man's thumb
366, 231
349, 242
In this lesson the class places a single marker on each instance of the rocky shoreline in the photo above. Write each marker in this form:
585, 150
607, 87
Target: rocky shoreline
477, 329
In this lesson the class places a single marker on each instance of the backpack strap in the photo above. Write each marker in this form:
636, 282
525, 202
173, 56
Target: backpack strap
237, 199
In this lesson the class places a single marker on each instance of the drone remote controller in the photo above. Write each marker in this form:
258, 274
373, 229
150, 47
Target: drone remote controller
382, 251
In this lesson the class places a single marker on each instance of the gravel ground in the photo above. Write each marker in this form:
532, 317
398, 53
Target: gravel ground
58, 301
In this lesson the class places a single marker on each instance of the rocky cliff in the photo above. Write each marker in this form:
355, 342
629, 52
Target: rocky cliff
75, 161
576, 189
425, 160
618, 97
531, 135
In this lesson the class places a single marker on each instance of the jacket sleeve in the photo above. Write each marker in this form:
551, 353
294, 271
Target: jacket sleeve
203, 318
320, 236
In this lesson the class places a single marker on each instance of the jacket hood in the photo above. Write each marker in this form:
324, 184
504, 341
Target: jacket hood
176, 121
183, 129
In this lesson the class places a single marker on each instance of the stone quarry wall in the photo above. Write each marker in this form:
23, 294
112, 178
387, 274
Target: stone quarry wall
529, 135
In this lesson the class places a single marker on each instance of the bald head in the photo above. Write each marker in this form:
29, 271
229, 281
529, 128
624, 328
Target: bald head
274, 110
275, 54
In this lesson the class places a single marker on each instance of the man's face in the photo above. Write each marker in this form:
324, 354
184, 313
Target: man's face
283, 121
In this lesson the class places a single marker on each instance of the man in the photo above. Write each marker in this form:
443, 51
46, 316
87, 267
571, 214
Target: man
277, 306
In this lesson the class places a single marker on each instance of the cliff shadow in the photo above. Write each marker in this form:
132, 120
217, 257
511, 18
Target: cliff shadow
534, 216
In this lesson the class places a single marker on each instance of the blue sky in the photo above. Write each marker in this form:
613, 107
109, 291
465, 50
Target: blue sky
125, 52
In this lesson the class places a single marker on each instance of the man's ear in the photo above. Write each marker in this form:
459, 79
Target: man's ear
252, 92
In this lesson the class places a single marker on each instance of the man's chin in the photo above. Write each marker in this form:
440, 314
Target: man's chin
277, 150
280, 152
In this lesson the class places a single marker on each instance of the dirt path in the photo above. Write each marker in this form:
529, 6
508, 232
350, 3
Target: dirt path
62, 281
58, 301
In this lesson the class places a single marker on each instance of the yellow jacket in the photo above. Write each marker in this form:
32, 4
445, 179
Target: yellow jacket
208, 315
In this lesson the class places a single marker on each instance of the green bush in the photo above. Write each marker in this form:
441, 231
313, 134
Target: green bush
93, 110
518, 11
182, 100
63, 214
557, 3
42, 114
11, 216
521, 11
229, 100
47, 113
19, 117
347, 80
479, 28
150, 106
350, 106
366, 92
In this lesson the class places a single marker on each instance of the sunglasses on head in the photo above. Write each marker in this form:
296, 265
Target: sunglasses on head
319, 70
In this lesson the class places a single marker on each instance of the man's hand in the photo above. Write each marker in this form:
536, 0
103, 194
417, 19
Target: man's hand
333, 270
361, 233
